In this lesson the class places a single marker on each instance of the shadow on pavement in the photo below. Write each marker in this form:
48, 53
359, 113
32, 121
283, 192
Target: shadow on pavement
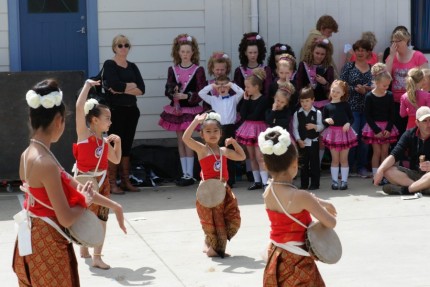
236, 264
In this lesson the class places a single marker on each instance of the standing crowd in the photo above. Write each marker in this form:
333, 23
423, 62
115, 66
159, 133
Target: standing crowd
278, 118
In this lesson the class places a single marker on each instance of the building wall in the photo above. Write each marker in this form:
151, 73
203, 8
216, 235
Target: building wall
4, 38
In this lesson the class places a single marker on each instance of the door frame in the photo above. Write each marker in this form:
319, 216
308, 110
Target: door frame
92, 36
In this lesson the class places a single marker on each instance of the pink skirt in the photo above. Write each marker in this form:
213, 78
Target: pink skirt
336, 138
170, 120
248, 132
369, 136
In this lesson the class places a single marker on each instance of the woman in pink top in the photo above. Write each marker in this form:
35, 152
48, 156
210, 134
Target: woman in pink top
399, 62
414, 96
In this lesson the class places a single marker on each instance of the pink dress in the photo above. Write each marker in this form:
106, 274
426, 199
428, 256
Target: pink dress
400, 71
407, 109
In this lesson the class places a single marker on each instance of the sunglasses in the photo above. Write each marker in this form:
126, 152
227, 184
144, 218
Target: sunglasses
125, 45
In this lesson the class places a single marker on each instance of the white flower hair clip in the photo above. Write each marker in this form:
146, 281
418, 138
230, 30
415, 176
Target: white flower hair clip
213, 116
89, 105
258, 37
225, 56
35, 100
268, 147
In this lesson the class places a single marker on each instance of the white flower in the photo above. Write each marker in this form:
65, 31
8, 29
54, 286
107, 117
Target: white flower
58, 97
267, 147
283, 48
326, 41
258, 37
48, 101
279, 148
213, 116
189, 39
33, 99
225, 56
89, 105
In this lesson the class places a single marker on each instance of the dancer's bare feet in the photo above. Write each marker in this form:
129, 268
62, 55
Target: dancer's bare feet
211, 252
99, 263
85, 253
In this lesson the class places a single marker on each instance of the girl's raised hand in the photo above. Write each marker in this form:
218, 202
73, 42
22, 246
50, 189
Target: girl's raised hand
229, 141
92, 83
200, 118
113, 138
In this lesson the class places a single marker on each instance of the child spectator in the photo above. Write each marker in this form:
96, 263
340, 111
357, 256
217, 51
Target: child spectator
307, 124
280, 113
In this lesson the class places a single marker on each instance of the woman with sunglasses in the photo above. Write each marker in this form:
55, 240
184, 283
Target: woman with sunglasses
124, 82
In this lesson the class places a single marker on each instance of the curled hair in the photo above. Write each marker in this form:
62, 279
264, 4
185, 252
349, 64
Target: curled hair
219, 57
95, 112
42, 117
278, 163
327, 22
309, 54
344, 86
379, 72
363, 44
257, 78
250, 39
306, 93
415, 75
286, 89
278, 49
118, 39
185, 39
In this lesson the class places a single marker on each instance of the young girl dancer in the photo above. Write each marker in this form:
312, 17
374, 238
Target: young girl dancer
339, 137
92, 152
44, 179
252, 112
221, 222
288, 263
284, 71
275, 54
316, 70
184, 80
414, 97
379, 130
280, 113
252, 52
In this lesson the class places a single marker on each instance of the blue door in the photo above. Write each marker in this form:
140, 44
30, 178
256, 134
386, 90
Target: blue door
53, 35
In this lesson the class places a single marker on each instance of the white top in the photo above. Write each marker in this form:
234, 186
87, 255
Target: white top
320, 126
223, 105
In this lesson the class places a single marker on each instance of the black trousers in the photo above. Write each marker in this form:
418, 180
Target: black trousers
228, 131
124, 122
310, 165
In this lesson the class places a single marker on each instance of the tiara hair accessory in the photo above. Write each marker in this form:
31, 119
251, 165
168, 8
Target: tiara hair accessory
185, 39
254, 38
267, 146
89, 105
213, 116
281, 48
35, 100
287, 57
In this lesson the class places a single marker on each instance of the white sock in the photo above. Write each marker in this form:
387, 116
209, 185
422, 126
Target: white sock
264, 176
374, 170
184, 165
248, 165
334, 173
190, 166
256, 174
321, 155
344, 171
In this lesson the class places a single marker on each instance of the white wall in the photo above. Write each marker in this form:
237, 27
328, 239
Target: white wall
4, 38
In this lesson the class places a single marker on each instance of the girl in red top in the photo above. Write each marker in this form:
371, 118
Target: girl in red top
92, 152
221, 222
288, 263
49, 264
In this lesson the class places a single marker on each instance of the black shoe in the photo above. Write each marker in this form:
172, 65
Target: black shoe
312, 187
185, 181
343, 185
256, 185
335, 185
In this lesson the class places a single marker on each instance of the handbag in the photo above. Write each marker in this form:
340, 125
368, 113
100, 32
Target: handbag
322, 243
211, 192
100, 93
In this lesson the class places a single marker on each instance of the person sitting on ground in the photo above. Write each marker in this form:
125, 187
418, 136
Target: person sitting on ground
416, 142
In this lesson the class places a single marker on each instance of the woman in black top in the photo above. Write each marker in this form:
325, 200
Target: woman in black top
124, 83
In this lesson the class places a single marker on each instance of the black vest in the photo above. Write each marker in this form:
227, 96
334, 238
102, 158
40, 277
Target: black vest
303, 120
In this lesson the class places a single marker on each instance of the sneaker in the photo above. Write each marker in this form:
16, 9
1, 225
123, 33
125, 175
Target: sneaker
334, 185
343, 185
256, 185
363, 173
392, 189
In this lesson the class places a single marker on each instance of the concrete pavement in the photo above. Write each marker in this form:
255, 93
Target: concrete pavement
385, 241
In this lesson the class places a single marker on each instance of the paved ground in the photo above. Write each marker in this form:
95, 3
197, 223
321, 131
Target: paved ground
385, 241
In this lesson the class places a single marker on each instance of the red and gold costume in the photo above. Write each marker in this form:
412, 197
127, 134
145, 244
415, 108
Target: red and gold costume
288, 268
87, 155
53, 260
221, 222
